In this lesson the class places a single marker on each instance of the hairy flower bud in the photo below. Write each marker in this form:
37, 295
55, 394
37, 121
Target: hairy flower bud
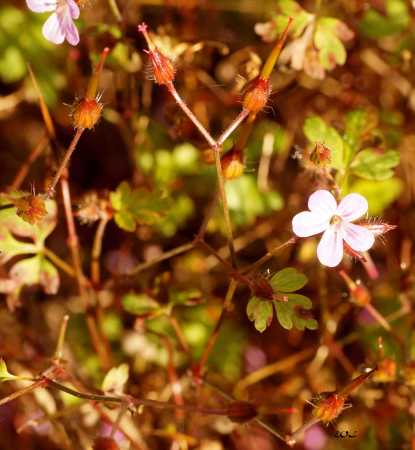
162, 67
330, 408
257, 96
31, 208
232, 164
320, 156
86, 113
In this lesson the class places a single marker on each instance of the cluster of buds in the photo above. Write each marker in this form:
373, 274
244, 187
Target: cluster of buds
319, 157
87, 111
163, 71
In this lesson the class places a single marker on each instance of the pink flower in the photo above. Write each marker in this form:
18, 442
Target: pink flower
59, 26
335, 222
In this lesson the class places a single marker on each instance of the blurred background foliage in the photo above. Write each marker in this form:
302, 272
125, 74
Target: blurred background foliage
345, 80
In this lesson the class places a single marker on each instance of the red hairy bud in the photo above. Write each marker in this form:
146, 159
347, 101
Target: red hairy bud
329, 408
86, 113
257, 97
320, 156
162, 68
30, 208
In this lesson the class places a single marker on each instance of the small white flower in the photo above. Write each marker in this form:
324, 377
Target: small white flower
59, 26
335, 222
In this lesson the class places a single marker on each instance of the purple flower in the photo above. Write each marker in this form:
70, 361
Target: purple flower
335, 222
59, 26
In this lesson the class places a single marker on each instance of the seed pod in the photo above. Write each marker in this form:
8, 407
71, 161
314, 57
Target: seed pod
86, 113
232, 164
105, 443
257, 97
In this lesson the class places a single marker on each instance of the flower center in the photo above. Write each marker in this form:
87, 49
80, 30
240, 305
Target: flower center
335, 220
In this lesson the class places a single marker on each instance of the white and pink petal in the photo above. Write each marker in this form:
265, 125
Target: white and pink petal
359, 238
322, 202
352, 207
330, 247
307, 223
52, 30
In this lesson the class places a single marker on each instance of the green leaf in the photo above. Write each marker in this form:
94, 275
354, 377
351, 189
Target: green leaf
134, 207
290, 8
36, 270
371, 165
260, 312
354, 127
379, 194
11, 247
289, 313
316, 130
377, 25
5, 375
140, 304
288, 280
331, 48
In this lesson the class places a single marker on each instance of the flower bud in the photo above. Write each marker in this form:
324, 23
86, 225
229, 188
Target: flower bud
257, 97
162, 67
86, 113
31, 208
105, 443
320, 157
386, 371
232, 164
330, 408
409, 374
241, 412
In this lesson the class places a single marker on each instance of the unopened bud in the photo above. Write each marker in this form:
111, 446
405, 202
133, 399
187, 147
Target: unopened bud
386, 371
162, 67
86, 113
31, 208
241, 412
320, 156
232, 164
257, 96
409, 374
105, 443
330, 408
